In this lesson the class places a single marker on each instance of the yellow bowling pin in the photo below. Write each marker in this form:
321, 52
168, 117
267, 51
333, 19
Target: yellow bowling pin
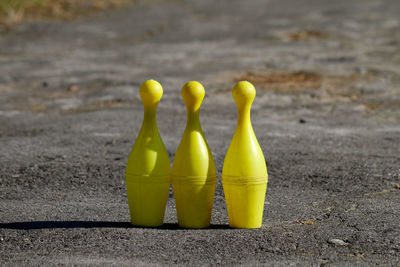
244, 174
193, 173
148, 168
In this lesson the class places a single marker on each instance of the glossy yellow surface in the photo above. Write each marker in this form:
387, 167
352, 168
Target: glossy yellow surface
244, 174
148, 168
193, 173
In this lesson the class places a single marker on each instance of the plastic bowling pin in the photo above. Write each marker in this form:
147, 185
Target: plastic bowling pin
244, 174
193, 173
148, 168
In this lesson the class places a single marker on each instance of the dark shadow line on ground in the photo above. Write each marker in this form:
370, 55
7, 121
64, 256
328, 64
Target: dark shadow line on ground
92, 224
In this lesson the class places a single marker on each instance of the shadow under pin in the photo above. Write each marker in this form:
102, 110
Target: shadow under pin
34, 225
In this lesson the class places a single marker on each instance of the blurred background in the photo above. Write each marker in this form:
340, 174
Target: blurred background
62, 55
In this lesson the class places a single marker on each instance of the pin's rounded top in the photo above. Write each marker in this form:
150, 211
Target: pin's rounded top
243, 93
151, 92
193, 94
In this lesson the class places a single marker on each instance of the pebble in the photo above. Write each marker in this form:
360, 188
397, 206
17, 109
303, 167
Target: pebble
337, 242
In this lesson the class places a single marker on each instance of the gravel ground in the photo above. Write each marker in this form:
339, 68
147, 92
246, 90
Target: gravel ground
326, 114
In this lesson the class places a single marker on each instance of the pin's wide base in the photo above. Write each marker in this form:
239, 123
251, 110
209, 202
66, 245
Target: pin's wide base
245, 204
147, 202
194, 204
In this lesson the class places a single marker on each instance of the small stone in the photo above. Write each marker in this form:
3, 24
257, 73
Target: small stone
337, 242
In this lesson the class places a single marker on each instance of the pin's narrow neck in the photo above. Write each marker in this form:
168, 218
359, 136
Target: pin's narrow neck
193, 119
244, 115
150, 113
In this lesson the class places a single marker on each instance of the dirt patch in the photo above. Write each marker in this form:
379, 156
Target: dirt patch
327, 88
372, 106
301, 35
284, 82
15, 11
305, 35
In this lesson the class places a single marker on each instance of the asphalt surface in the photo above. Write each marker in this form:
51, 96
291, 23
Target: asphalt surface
326, 114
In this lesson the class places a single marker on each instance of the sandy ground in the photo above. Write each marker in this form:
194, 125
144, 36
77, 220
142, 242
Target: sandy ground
327, 116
